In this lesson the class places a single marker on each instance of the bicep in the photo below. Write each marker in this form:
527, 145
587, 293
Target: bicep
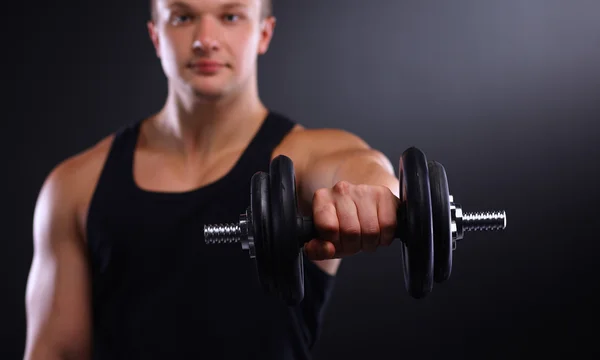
57, 300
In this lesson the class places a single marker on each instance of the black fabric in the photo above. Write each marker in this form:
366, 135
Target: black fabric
159, 292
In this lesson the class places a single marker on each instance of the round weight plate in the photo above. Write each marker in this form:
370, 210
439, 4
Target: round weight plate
442, 222
289, 270
261, 225
415, 222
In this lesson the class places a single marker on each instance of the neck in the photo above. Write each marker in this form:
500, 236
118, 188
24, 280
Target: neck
190, 124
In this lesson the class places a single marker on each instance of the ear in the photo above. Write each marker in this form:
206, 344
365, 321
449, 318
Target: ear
153, 36
266, 34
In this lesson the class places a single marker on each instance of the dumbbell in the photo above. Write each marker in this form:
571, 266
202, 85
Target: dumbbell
429, 224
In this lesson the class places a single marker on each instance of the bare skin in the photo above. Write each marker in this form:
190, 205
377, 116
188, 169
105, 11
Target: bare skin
208, 119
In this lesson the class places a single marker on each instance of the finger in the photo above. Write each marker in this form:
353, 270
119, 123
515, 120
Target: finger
366, 204
319, 250
325, 217
349, 226
387, 210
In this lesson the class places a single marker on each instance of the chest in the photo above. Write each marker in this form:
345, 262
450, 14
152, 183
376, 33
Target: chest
160, 236
159, 172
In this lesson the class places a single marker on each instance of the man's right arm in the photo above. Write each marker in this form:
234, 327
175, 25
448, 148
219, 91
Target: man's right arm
57, 296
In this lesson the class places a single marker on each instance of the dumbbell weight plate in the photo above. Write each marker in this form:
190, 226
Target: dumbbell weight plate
261, 224
285, 248
415, 223
442, 222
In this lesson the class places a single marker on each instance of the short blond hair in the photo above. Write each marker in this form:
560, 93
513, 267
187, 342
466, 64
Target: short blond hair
266, 11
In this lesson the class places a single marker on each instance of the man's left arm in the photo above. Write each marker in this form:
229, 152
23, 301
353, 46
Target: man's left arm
338, 158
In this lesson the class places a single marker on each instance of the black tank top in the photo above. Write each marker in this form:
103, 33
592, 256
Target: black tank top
159, 292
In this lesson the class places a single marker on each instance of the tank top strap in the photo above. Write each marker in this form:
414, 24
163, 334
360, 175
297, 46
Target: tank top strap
119, 158
272, 132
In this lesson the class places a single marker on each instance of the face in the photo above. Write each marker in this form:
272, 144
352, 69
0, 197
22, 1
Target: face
210, 47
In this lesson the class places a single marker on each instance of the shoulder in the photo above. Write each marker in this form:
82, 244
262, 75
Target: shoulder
70, 182
76, 168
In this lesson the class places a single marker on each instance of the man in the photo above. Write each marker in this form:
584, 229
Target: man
120, 269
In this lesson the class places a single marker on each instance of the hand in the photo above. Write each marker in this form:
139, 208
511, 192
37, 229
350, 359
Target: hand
351, 218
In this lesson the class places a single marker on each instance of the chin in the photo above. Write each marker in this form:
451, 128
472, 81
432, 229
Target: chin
209, 87
210, 91
209, 96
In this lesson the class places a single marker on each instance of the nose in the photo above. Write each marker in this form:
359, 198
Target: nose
207, 37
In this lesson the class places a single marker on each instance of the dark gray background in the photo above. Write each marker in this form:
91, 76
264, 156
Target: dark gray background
506, 94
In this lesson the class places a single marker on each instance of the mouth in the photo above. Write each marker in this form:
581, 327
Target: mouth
207, 67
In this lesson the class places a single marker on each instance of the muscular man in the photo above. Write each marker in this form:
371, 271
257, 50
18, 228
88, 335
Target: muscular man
120, 268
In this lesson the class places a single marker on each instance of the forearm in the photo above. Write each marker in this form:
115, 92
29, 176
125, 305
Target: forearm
48, 347
51, 351
45, 352
369, 167
362, 166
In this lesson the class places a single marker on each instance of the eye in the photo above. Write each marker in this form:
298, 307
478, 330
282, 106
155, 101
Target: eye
180, 19
231, 17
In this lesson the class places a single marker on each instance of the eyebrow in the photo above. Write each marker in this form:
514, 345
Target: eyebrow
178, 4
233, 4
229, 5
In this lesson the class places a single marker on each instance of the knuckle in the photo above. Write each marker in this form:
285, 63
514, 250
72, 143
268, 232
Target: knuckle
324, 216
323, 207
351, 231
321, 195
383, 193
387, 224
371, 229
362, 190
342, 187
322, 204
383, 190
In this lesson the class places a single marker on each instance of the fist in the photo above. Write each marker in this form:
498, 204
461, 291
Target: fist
351, 218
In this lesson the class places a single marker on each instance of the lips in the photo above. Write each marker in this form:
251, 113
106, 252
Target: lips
207, 66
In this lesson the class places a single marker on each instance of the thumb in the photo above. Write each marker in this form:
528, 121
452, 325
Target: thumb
319, 250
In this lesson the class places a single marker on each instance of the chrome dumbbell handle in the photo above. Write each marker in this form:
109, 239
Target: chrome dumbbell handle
474, 221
